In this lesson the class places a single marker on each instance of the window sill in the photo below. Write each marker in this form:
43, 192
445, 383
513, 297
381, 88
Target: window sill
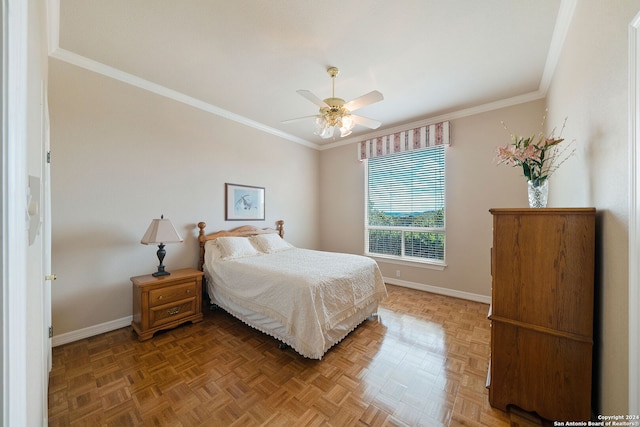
432, 265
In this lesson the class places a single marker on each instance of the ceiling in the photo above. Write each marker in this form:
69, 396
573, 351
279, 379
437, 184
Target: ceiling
245, 59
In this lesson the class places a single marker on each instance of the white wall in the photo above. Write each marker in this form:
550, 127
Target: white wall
123, 156
590, 86
474, 184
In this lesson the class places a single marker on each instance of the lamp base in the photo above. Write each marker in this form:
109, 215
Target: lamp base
161, 253
161, 273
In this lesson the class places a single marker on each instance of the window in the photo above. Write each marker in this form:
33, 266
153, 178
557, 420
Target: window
405, 212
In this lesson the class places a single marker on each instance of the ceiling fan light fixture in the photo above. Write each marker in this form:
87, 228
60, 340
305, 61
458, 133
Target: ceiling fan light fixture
336, 113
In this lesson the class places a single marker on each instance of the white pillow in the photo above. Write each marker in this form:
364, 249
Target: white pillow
211, 251
269, 243
235, 247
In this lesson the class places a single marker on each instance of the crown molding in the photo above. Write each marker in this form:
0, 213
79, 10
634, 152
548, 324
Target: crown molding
114, 73
503, 103
563, 21
560, 31
53, 25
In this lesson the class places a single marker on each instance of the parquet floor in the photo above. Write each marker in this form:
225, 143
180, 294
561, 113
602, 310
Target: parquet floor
423, 362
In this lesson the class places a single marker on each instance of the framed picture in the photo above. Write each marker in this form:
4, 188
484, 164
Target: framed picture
244, 202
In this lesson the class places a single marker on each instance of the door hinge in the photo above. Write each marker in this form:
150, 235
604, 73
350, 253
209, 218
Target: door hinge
49, 157
50, 331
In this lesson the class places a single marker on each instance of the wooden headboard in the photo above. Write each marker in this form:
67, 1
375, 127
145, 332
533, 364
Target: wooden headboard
242, 231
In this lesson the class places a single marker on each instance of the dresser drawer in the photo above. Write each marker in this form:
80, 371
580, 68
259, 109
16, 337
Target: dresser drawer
171, 312
169, 294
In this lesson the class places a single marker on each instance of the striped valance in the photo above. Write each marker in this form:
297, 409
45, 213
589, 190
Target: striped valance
406, 140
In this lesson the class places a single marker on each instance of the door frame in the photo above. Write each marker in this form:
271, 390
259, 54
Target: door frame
634, 215
45, 226
13, 172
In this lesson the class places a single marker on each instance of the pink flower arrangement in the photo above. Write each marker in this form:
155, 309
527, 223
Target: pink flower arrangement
538, 155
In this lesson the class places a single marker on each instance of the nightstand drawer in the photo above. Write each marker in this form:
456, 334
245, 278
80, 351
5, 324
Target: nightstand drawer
172, 293
171, 312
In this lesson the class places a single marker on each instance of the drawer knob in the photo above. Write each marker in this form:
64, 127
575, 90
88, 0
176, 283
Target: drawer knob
188, 291
160, 297
174, 311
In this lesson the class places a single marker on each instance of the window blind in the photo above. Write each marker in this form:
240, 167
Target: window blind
405, 215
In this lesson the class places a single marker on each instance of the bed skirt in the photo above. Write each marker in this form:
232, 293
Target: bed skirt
275, 329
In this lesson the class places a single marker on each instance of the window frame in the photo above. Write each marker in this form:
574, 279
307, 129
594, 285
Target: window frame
404, 259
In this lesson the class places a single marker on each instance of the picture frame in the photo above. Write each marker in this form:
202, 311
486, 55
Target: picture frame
244, 202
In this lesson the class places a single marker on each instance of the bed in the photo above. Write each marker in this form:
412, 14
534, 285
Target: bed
308, 300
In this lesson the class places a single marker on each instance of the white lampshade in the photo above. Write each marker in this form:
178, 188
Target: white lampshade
320, 126
347, 124
161, 231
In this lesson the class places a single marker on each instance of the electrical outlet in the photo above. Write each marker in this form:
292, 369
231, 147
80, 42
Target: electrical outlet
397, 273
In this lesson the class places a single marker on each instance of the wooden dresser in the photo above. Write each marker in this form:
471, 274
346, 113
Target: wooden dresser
542, 264
166, 301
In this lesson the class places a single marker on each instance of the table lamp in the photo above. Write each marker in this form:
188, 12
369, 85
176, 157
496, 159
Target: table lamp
161, 231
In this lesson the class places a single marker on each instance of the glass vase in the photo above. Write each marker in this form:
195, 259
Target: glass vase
538, 193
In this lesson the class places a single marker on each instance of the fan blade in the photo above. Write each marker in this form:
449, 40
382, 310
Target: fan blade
311, 97
364, 100
298, 119
366, 122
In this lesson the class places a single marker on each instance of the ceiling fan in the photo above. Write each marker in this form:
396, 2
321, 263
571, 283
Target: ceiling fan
335, 112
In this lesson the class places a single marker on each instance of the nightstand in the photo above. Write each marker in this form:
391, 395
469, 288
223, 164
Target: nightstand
167, 301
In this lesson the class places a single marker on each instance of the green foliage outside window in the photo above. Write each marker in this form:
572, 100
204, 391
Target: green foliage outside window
417, 244
434, 219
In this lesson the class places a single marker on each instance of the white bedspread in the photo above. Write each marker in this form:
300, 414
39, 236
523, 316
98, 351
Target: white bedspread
308, 292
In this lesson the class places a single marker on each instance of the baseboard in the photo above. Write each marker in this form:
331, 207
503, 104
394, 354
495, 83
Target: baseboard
440, 291
90, 331
126, 321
